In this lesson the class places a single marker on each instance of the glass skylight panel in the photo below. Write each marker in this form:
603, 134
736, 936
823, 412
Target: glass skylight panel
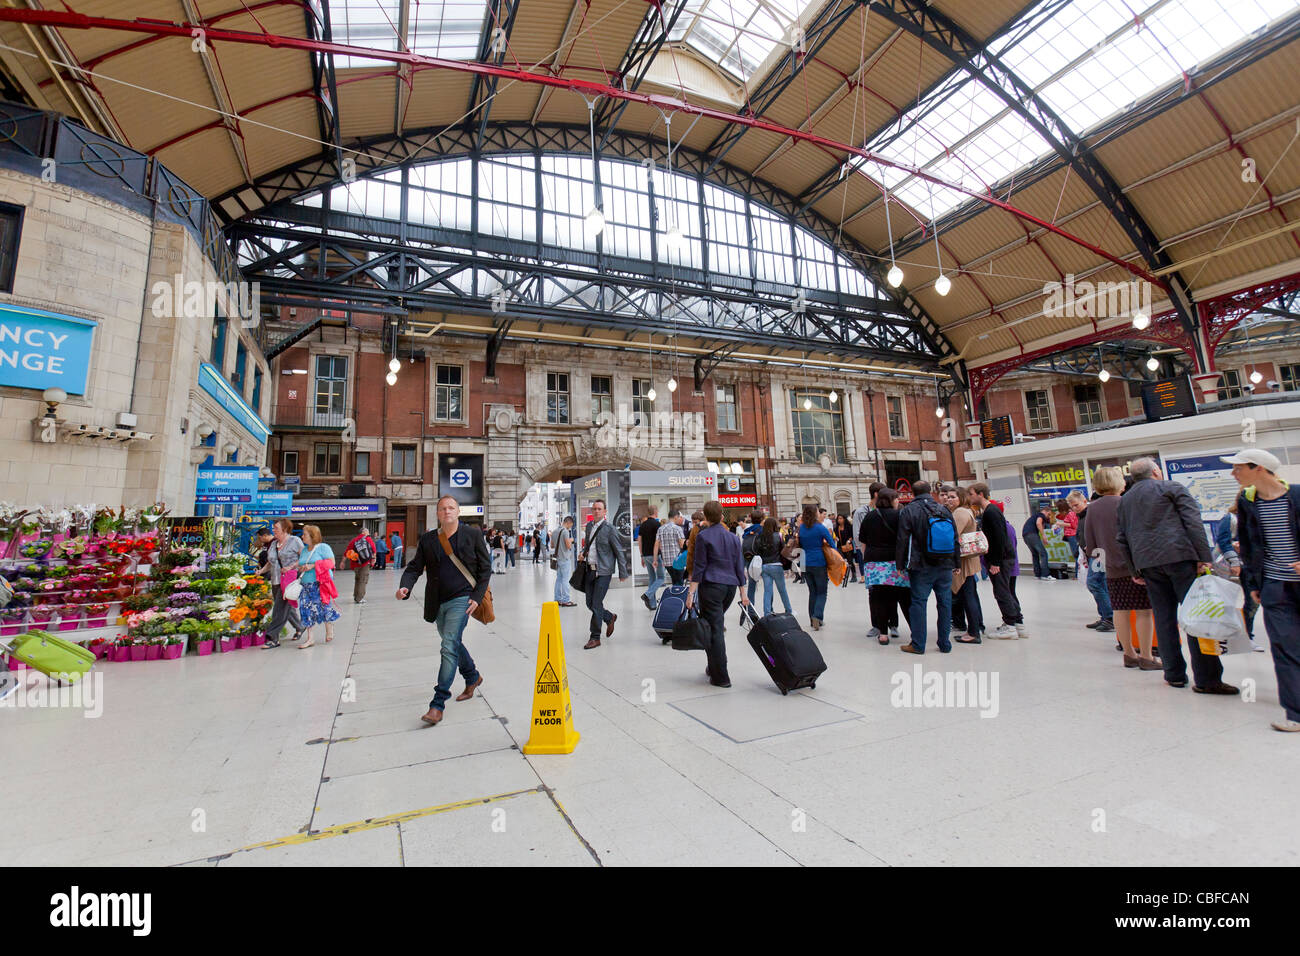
366, 23
738, 35
447, 29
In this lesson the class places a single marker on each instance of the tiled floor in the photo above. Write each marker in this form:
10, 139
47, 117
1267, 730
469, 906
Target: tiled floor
265, 758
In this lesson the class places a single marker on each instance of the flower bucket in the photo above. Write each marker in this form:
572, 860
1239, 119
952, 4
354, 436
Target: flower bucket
16, 665
205, 648
9, 630
228, 643
245, 640
69, 623
99, 650
119, 652
97, 621
172, 651
153, 652
138, 651
259, 639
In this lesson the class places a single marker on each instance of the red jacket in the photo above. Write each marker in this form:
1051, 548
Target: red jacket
352, 546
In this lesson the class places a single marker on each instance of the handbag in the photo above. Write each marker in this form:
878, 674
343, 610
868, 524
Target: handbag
483, 613
836, 566
974, 542
578, 580
293, 591
790, 548
679, 562
692, 633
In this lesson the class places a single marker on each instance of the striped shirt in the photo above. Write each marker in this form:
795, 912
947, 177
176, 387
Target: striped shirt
670, 539
1280, 545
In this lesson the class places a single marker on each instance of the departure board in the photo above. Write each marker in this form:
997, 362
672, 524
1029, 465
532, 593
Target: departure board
1168, 398
997, 431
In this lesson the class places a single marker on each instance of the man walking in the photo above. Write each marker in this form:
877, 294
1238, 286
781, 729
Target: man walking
669, 542
749, 548
398, 549
1161, 535
562, 545
460, 569
1268, 530
1001, 562
648, 534
363, 546
602, 552
282, 556
928, 552
1096, 577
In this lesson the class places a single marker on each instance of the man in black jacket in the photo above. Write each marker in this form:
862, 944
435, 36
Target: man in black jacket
1159, 532
926, 572
1001, 561
451, 595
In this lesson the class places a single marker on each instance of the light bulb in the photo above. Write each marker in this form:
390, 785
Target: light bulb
942, 284
650, 394
895, 276
1104, 375
674, 239
394, 365
672, 385
1153, 363
938, 412
1256, 377
391, 378
594, 221
1141, 320
834, 396
807, 404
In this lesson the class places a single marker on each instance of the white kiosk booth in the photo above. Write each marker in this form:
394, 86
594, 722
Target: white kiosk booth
686, 491
1188, 450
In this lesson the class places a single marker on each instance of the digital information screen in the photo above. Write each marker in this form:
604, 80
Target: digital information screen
1168, 398
997, 431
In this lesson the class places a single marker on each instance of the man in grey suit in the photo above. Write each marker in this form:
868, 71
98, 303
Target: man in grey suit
603, 552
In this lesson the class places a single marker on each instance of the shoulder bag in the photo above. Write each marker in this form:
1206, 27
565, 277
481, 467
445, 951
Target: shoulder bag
483, 613
581, 571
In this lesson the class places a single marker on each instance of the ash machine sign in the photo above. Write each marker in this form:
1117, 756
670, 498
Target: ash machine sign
230, 485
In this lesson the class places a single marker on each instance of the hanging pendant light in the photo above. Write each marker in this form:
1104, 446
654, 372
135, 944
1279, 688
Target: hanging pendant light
834, 396
1153, 363
394, 365
943, 284
1104, 375
1256, 377
651, 394
391, 378
895, 275
672, 385
1141, 320
594, 221
807, 404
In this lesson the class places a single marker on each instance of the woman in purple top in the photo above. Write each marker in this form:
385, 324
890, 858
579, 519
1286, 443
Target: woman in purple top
718, 569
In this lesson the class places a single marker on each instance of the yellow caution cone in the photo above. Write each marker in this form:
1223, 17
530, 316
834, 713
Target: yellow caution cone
552, 728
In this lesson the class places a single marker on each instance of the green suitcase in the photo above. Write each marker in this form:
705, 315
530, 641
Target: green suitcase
53, 656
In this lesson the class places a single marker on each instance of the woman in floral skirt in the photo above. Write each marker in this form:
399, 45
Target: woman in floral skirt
888, 593
312, 608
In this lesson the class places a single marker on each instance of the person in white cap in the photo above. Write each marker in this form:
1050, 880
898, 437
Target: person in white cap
1268, 529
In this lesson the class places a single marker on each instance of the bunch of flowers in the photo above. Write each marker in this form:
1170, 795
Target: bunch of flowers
138, 602
37, 549
83, 580
56, 520
185, 569
58, 572
96, 610
70, 548
104, 522
120, 546
146, 543
236, 582
184, 597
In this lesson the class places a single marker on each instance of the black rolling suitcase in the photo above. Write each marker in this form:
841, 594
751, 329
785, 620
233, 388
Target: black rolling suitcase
789, 654
670, 610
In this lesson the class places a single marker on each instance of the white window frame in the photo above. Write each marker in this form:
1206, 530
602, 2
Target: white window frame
637, 381
902, 401
464, 389
1294, 376
567, 392
591, 386
284, 461
1238, 386
718, 389
1051, 409
1101, 405
405, 446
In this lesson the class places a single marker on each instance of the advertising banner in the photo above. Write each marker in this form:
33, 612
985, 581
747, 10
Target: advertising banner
1055, 481
273, 503
232, 484
41, 350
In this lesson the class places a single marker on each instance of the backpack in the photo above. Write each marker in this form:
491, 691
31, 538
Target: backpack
364, 550
940, 534
749, 543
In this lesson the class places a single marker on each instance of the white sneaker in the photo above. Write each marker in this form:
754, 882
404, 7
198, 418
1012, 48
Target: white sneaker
873, 634
1256, 646
362, 601
1004, 633
893, 634
1022, 631
1287, 726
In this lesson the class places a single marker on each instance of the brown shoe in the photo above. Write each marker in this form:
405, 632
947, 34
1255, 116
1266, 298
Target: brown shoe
609, 628
468, 692
1147, 665
594, 642
1132, 660
433, 716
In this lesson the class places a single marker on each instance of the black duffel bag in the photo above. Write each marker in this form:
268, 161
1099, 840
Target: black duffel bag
578, 581
692, 633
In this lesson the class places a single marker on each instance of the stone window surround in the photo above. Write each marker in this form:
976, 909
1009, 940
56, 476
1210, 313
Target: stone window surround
1051, 408
341, 350
735, 387
432, 368
902, 396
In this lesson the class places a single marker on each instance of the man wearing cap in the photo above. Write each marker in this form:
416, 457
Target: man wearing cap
1268, 529
1159, 532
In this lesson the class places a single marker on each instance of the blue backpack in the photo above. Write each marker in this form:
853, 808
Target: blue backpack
940, 535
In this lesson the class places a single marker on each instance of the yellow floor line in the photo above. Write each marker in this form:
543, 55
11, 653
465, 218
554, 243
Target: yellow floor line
375, 823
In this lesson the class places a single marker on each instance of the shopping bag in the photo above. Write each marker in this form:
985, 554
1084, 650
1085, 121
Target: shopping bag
1211, 612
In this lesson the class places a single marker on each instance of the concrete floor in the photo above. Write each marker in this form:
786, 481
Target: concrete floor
251, 758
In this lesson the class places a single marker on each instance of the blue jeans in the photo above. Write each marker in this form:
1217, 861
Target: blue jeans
563, 571
656, 577
815, 578
397, 557
510, 557
453, 615
1281, 603
597, 588
1042, 563
774, 582
1100, 593
924, 580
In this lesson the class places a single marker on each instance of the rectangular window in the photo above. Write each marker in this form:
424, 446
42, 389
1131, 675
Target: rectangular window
331, 390
449, 394
404, 461
557, 398
897, 422
1230, 384
329, 459
1087, 404
289, 462
257, 391
11, 229
602, 398
218, 357
641, 404
819, 429
726, 401
1290, 377
1039, 410
363, 463
241, 366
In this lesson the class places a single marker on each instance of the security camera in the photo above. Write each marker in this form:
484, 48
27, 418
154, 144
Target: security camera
1273, 384
1248, 388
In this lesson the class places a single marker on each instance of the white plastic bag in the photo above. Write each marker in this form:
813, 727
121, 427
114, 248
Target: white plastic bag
1212, 609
